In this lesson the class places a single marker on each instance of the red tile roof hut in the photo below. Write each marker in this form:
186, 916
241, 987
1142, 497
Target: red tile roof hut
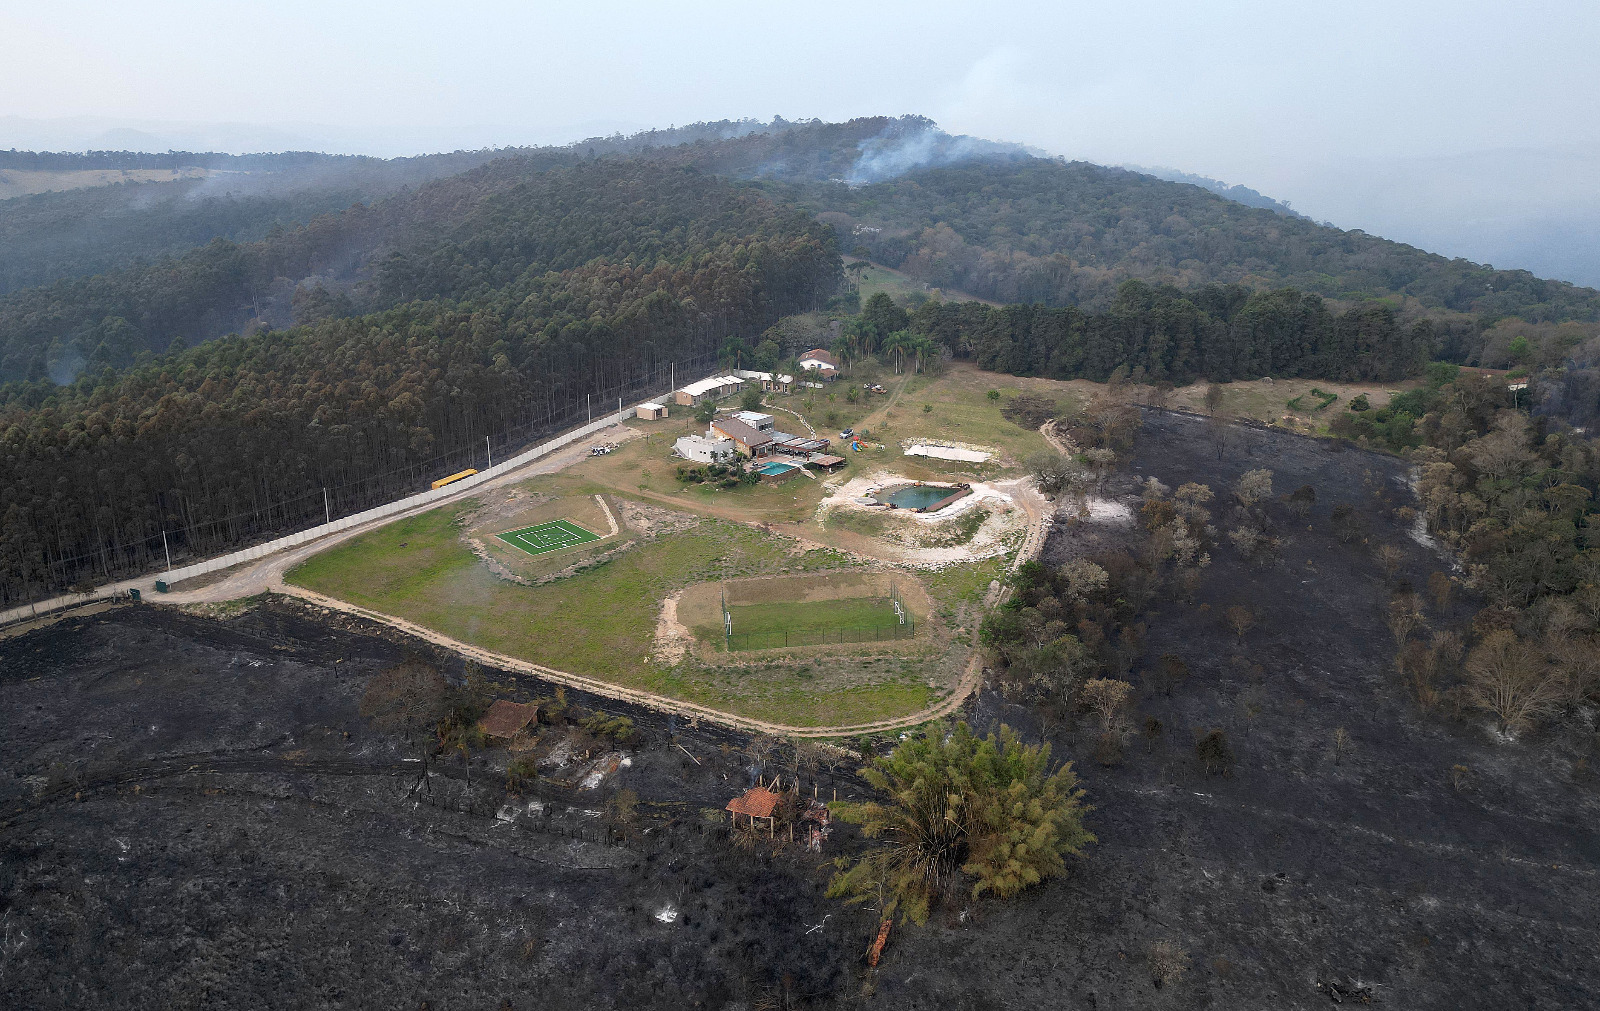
756, 803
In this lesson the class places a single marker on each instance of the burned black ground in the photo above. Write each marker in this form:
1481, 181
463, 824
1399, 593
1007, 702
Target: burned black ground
1306, 869
195, 815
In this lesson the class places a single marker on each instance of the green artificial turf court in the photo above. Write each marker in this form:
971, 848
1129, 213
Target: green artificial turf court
543, 538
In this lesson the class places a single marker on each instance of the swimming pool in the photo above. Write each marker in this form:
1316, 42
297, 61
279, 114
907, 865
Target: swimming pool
775, 468
914, 496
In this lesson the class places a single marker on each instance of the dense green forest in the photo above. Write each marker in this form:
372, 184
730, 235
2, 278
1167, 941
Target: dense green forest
589, 280
1219, 332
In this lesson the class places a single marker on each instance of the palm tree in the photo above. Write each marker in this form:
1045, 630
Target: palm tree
900, 343
843, 349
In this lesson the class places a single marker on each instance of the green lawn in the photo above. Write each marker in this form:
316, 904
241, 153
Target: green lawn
854, 612
599, 623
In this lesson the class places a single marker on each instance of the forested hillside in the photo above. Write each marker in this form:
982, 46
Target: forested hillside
78, 229
1068, 233
586, 280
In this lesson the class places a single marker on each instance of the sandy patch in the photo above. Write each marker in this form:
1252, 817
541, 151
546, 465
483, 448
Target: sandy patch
942, 451
673, 640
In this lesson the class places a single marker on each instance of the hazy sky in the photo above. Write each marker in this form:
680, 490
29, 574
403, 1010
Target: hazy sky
1394, 116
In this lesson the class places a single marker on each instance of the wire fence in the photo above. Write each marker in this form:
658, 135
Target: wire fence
783, 638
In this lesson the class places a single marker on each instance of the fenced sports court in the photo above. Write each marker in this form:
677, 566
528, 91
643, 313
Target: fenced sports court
543, 538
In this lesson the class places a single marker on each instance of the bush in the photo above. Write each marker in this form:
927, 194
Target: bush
521, 772
1214, 753
1360, 403
618, 728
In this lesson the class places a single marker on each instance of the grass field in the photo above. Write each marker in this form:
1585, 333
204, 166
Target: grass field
601, 622
544, 538
814, 622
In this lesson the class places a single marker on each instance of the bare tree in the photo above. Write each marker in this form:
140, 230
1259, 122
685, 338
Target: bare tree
1301, 500
1390, 558
1168, 673
1405, 617
1240, 619
1254, 486
1508, 678
1105, 698
407, 699
1341, 743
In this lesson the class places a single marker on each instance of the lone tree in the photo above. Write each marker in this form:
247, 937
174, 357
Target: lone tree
1509, 678
407, 699
1301, 500
1240, 619
1050, 470
1105, 698
1254, 486
750, 399
960, 812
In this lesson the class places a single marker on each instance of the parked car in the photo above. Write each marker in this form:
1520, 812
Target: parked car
847, 433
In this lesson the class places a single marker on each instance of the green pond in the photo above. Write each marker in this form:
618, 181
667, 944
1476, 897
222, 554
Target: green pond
914, 496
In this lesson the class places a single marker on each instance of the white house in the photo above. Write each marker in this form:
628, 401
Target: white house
822, 363
701, 449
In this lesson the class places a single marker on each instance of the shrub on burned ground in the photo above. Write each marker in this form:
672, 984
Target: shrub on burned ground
605, 726
1168, 962
1214, 752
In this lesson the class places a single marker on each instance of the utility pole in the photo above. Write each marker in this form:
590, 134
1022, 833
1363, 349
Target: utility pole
586, 407
327, 514
490, 450
619, 405
166, 549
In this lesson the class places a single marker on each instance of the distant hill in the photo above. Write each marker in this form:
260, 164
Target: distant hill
1237, 193
99, 276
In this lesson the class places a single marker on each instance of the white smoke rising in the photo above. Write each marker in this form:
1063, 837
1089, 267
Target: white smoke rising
63, 365
913, 142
